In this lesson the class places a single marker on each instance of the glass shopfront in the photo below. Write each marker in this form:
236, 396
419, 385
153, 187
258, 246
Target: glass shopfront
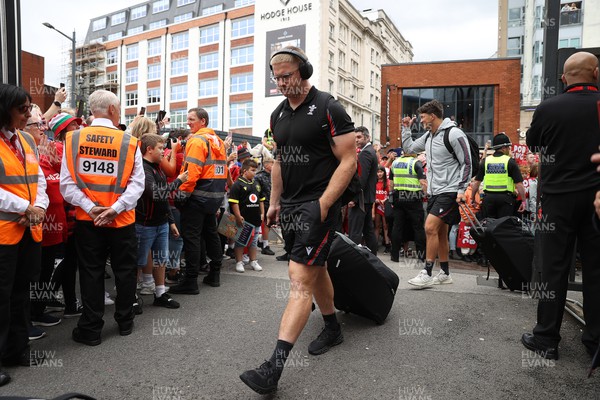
471, 107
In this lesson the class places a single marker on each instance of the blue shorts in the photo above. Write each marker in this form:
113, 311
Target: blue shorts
155, 238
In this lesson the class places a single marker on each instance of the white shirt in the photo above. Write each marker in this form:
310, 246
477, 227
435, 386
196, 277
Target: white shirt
126, 202
10, 202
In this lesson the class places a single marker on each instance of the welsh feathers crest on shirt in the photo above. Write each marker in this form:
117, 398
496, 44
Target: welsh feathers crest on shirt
311, 109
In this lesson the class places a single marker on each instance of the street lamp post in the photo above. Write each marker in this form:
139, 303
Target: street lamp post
73, 59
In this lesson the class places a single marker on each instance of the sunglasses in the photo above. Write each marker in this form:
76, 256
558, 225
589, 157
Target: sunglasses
23, 109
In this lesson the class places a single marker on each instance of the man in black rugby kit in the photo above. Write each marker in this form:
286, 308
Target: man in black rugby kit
315, 161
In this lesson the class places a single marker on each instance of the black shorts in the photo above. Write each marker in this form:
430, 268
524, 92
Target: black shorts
307, 239
445, 207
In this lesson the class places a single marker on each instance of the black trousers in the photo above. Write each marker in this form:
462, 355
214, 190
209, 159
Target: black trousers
196, 226
19, 263
567, 217
360, 225
408, 212
66, 273
497, 205
94, 245
45, 289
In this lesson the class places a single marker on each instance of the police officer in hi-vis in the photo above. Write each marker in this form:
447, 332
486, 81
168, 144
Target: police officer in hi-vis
102, 175
410, 186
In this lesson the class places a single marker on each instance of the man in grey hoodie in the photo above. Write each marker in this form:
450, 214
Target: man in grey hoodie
448, 177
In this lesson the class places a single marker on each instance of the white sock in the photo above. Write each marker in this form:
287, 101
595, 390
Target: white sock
265, 243
148, 278
159, 290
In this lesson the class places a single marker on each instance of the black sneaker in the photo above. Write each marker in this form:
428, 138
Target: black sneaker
173, 279
325, 341
73, 312
54, 305
283, 257
137, 305
267, 251
263, 380
165, 301
45, 320
204, 269
230, 253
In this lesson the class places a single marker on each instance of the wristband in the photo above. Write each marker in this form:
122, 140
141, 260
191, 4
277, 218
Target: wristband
56, 103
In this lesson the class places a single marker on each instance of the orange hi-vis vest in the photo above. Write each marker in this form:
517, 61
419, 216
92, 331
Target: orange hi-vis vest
100, 160
206, 163
20, 180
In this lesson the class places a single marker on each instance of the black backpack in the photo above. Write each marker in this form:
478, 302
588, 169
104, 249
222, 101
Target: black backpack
473, 147
323, 98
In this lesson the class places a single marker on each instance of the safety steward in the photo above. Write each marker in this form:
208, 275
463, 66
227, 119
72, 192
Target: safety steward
23, 202
206, 163
102, 175
410, 186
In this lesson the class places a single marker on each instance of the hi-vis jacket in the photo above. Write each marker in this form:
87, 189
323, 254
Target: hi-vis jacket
21, 181
496, 175
206, 163
100, 161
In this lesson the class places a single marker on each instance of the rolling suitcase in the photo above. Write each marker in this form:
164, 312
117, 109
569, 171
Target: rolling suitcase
508, 246
362, 283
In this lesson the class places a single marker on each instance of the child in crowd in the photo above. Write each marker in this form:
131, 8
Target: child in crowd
246, 203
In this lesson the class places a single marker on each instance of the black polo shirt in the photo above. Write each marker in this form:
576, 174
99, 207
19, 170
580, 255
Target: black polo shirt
304, 137
248, 196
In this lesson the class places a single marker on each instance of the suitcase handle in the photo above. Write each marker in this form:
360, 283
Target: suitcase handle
475, 223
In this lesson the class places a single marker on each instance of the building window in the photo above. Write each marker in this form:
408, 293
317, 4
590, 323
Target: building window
331, 31
115, 35
330, 86
99, 24
210, 34
372, 80
154, 47
242, 55
183, 17
184, 2
574, 42
570, 13
515, 46
153, 71
373, 56
129, 119
111, 57
179, 66
209, 61
112, 77
240, 115
178, 118
117, 19
331, 61
208, 88
471, 106
180, 41
355, 43
136, 30
342, 60
138, 12
132, 52
242, 83
153, 96
341, 85
240, 3
160, 6
131, 75
179, 92
212, 10
354, 68
157, 24
539, 13
515, 16
131, 99
343, 33
538, 52
242, 27
536, 87
213, 116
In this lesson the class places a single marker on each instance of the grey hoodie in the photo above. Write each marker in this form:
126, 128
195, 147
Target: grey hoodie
444, 173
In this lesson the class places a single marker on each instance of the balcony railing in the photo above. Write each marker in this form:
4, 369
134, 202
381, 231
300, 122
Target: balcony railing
570, 17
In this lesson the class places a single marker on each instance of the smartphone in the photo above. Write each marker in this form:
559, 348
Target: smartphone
143, 111
229, 135
62, 85
161, 115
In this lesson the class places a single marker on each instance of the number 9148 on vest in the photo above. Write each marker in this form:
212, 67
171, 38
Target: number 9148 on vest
97, 167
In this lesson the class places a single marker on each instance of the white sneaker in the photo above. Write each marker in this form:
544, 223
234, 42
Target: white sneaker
442, 278
239, 266
421, 280
254, 265
147, 288
245, 259
138, 286
107, 300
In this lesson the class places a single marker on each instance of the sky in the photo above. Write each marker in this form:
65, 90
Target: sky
437, 29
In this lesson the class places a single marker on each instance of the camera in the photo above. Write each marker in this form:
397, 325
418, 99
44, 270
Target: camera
171, 140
